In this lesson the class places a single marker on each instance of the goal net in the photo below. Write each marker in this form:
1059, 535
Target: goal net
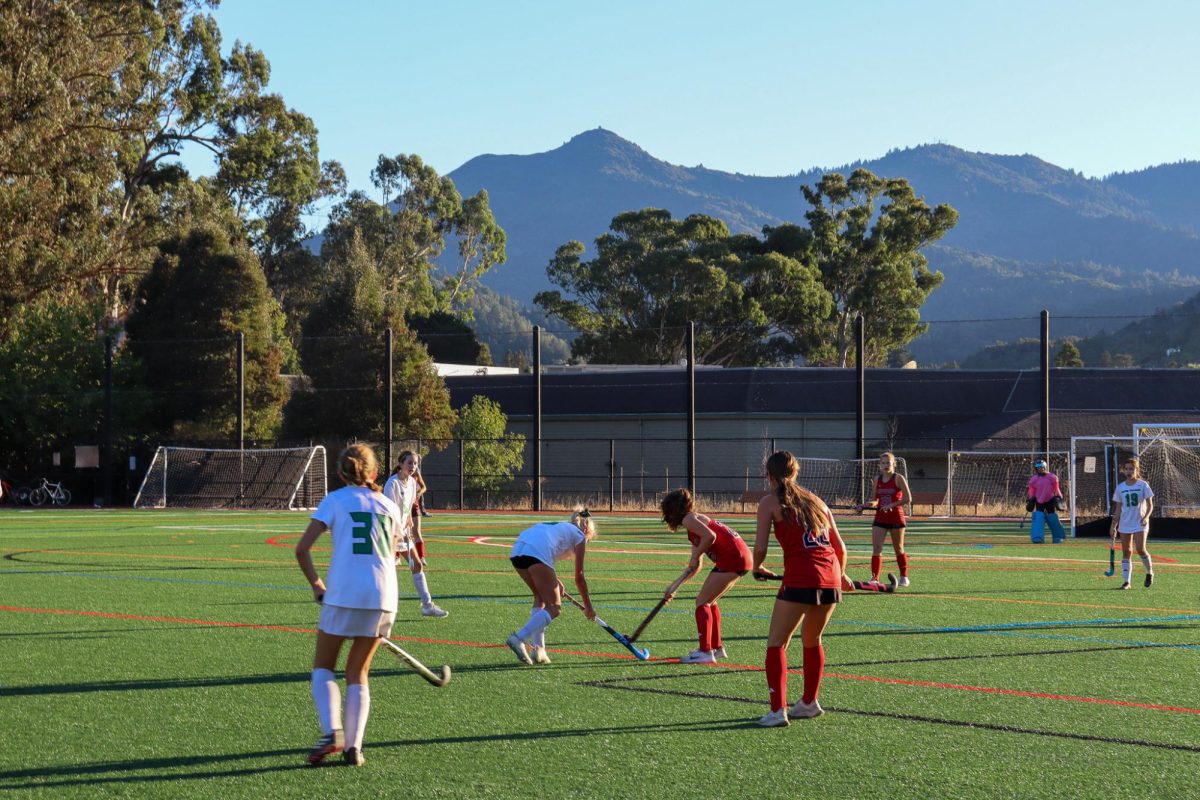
1170, 459
186, 477
997, 482
843, 481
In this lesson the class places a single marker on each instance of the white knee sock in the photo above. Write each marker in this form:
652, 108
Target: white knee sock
422, 588
328, 699
1126, 569
358, 707
539, 637
538, 620
1147, 563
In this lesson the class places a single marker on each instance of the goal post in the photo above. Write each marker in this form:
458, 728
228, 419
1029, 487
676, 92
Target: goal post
996, 482
190, 477
1170, 462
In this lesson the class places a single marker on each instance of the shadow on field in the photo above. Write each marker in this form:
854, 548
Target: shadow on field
153, 685
97, 774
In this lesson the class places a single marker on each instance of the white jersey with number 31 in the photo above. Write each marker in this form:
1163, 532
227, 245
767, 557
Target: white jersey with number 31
362, 569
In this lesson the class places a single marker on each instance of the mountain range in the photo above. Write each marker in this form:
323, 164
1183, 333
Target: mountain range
1031, 235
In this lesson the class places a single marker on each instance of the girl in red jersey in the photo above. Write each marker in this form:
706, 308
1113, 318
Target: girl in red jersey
891, 495
814, 566
730, 556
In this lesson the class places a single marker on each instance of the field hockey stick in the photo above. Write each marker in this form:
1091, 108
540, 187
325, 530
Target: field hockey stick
422, 670
653, 612
641, 653
862, 586
1112, 555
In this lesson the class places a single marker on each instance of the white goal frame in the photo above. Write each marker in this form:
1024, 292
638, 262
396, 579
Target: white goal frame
299, 481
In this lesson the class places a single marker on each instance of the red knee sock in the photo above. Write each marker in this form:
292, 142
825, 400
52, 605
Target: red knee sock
777, 677
902, 561
717, 641
876, 566
421, 550
704, 626
814, 667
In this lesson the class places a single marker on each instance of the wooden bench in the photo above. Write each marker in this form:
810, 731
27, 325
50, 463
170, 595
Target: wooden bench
752, 496
931, 499
961, 501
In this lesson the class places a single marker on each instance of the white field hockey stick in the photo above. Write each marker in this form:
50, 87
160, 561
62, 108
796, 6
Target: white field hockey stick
420, 668
641, 653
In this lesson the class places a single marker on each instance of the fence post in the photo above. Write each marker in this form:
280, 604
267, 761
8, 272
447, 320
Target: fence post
612, 473
462, 483
1045, 383
691, 407
537, 418
860, 412
241, 390
389, 389
107, 452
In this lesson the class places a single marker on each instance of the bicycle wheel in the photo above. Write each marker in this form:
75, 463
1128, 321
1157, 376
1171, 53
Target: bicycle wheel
37, 497
22, 495
63, 497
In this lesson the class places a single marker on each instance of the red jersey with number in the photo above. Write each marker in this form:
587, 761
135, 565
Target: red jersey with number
729, 552
809, 560
889, 492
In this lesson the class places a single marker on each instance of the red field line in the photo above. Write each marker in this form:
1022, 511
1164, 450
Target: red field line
625, 657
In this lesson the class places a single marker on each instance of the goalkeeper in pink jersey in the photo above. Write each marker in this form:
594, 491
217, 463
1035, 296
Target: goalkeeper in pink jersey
1044, 498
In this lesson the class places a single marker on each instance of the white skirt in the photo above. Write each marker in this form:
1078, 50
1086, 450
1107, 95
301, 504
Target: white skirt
354, 622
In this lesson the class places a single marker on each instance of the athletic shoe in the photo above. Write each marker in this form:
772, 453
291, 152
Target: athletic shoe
1125, 585
803, 710
1149, 579
903, 580
353, 757
540, 655
517, 646
433, 610
699, 657
720, 652
328, 744
891, 584
776, 719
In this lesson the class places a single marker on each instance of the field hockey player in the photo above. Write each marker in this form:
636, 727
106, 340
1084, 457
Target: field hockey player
731, 559
358, 600
1044, 495
814, 559
891, 495
401, 488
1133, 502
533, 556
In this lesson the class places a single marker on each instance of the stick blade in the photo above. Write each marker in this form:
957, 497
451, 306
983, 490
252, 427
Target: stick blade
445, 676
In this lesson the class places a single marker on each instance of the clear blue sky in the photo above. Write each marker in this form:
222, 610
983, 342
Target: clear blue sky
759, 87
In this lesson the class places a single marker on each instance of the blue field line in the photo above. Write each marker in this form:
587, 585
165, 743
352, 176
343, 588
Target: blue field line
1014, 629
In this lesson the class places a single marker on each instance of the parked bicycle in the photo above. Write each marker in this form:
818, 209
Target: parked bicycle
56, 493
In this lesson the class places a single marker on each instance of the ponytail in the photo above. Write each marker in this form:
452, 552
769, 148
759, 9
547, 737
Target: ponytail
357, 466
796, 502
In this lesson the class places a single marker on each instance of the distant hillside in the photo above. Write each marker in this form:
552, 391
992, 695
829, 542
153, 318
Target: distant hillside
1169, 338
1030, 234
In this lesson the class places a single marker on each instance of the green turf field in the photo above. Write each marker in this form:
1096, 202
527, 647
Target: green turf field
167, 654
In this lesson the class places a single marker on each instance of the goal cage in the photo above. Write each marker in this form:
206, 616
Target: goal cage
187, 477
843, 482
1170, 461
995, 482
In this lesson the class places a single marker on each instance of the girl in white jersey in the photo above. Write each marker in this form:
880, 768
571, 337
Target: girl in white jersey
1132, 503
401, 489
359, 602
533, 556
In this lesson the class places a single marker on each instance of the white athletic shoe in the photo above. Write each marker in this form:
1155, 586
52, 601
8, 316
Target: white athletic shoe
776, 719
803, 710
720, 652
517, 646
433, 610
540, 655
699, 657
903, 580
